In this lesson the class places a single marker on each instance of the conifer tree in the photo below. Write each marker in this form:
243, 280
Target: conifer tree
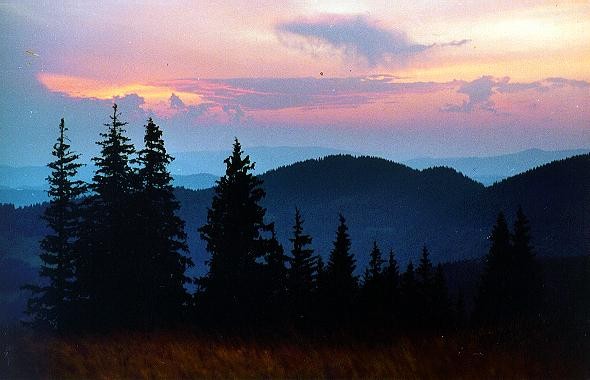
234, 236
424, 270
108, 254
276, 281
425, 281
527, 280
162, 245
374, 270
301, 270
341, 282
372, 302
409, 296
495, 295
53, 305
391, 284
441, 306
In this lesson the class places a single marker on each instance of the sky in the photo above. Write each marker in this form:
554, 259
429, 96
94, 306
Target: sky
411, 79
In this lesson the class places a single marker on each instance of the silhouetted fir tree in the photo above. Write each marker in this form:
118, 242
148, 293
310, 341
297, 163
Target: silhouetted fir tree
409, 296
494, 300
425, 281
527, 278
391, 284
374, 270
424, 270
372, 300
276, 281
162, 242
320, 274
52, 305
341, 283
301, 271
234, 236
441, 305
108, 236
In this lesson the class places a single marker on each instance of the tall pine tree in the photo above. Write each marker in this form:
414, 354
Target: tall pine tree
108, 271
301, 271
340, 280
391, 284
528, 288
53, 304
372, 302
162, 244
494, 300
234, 233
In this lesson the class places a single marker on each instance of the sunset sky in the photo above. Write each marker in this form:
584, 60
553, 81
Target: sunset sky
398, 79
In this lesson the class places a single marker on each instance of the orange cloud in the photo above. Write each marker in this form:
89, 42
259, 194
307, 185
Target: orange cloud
156, 97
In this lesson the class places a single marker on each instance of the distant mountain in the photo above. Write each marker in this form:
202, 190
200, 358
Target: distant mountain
195, 181
26, 196
400, 207
193, 170
266, 158
488, 170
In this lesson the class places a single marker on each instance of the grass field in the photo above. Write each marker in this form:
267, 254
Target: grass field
188, 356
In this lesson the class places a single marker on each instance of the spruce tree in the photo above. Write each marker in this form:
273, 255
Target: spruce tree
374, 270
425, 282
409, 296
162, 244
341, 283
391, 284
53, 304
441, 304
276, 281
494, 300
373, 292
527, 279
301, 270
234, 234
108, 274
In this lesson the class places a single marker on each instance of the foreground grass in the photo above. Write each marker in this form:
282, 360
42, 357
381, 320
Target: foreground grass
188, 356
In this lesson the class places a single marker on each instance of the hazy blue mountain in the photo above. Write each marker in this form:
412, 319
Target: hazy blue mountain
194, 170
195, 181
266, 158
25, 196
488, 170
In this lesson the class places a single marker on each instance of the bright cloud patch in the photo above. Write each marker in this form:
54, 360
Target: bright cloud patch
163, 100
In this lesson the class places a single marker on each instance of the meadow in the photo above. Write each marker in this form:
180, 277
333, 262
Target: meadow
478, 354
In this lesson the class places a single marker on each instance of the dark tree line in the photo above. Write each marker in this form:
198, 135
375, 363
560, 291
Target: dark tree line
117, 258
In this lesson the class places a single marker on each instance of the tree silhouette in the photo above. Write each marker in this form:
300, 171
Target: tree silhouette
234, 236
275, 305
341, 282
409, 296
108, 266
162, 243
494, 301
372, 301
53, 304
528, 291
391, 284
301, 271
425, 287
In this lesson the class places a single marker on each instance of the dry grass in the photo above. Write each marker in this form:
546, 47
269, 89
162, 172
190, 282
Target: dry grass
186, 356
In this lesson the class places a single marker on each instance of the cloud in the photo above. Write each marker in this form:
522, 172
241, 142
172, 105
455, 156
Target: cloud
282, 93
479, 92
176, 103
359, 37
